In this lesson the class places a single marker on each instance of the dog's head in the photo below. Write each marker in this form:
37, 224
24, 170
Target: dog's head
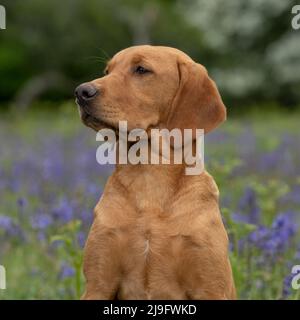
151, 86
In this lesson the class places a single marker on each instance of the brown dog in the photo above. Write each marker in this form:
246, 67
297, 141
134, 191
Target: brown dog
157, 233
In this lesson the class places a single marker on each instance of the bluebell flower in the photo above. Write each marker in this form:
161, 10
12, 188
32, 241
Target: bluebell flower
287, 286
53, 163
5, 222
276, 239
10, 227
240, 217
292, 197
22, 202
249, 211
41, 221
285, 225
86, 216
94, 190
259, 236
281, 160
247, 143
64, 211
269, 160
66, 271
81, 238
248, 203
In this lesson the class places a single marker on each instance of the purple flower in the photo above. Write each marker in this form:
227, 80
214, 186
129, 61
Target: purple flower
94, 190
247, 143
287, 284
276, 239
239, 217
81, 238
285, 225
86, 216
270, 160
41, 221
293, 197
5, 222
259, 236
249, 211
66, 271
10, 227
281, 160
64, 211
22, 202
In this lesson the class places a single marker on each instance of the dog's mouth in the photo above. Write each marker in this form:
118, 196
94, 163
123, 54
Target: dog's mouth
92, 121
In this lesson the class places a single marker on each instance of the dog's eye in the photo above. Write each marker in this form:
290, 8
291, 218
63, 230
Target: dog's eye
141, 70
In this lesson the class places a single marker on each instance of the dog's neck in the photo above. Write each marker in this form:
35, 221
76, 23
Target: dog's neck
148, 156
141, 180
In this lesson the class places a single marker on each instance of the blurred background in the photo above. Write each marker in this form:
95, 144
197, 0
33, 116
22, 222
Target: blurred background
249, 47
49, 178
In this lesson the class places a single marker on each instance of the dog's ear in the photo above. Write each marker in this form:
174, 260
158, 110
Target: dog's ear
197, 104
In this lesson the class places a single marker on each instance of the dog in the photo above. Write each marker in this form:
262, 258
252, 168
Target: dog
157, 232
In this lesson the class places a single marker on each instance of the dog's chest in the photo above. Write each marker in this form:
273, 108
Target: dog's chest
150, 224
153, 243
151, 188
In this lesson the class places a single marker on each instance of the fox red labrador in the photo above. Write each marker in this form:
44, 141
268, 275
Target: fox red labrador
157, 232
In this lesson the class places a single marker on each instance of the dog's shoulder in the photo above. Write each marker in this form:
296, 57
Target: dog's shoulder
203, 183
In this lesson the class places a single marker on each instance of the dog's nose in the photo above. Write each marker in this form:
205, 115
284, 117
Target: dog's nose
85, 92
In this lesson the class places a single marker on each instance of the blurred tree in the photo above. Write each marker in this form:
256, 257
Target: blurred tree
254, 52
55, 45
249, 47
140, 17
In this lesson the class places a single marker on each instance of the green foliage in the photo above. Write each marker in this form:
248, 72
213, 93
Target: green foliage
243, 45
70, 251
